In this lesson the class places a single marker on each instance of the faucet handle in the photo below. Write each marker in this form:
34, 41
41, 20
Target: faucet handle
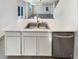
35, 18
39, 19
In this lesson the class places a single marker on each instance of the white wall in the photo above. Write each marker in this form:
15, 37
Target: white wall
8, 13
40, 9
66, 12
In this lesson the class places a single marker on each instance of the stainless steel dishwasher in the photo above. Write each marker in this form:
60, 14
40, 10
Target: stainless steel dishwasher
63, 44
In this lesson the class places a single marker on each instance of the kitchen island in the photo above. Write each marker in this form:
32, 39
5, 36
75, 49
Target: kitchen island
34, 42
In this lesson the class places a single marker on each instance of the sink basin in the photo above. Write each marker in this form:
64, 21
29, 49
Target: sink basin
43, 25
31, 25
37, 26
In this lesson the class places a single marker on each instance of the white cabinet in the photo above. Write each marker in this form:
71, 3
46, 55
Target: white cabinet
28, 43
44, 46
12, 44
37, 43
29, 46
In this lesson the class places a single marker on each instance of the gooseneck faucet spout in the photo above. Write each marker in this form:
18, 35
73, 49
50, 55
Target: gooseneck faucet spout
37, 22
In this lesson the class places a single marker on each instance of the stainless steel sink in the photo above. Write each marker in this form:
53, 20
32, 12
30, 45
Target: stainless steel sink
33, 25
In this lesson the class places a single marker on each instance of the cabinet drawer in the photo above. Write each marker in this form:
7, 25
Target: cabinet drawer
35, 34
12, 33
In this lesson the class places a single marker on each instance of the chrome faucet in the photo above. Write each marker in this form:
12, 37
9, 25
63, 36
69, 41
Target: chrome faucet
37, 22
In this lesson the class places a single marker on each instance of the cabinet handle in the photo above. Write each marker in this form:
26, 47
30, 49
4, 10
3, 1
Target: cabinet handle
59, 36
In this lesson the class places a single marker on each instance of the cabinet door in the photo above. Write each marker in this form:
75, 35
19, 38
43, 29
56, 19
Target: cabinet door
44, 46
29, 46
12, 46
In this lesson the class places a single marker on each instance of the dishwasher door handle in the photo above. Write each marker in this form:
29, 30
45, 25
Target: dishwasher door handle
60, 36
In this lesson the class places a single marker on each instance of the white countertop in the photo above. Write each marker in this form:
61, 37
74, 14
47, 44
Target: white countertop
54, 25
